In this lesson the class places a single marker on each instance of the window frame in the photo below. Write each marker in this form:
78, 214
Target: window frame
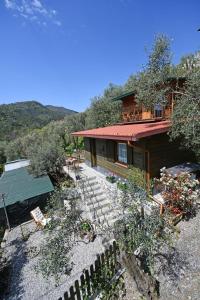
158, 110
124, 160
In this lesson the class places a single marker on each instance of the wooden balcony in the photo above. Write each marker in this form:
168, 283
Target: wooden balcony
139, 115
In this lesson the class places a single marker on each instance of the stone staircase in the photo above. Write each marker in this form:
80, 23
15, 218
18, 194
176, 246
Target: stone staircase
98, 203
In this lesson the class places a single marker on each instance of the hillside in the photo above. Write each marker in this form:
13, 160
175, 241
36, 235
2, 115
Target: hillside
21, 117
61, 110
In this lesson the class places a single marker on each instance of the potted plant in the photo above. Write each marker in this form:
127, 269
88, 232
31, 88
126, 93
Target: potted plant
111, 178
87, 230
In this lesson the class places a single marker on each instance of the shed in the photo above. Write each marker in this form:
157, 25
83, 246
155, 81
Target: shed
22, 192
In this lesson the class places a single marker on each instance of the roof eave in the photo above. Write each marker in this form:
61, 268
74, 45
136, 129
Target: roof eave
122, 96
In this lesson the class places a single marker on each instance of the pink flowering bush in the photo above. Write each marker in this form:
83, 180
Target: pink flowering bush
180, 193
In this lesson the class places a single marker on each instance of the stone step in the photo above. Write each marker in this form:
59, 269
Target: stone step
90, 188
89, 182
107, 219
103, 211
97, 200
87, 179
99, 204
93, 194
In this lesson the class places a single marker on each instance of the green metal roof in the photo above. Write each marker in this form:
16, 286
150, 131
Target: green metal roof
123, 95
19, 185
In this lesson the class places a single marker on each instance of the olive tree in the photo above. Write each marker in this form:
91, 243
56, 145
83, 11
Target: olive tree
60, 233
186, 115
150, 84
140, 233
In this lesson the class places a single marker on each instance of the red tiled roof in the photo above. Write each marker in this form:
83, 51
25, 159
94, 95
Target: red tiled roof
127, 132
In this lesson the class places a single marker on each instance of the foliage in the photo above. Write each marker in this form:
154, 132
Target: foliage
151, 87
2, 152
1, 168
19, 118
47, 158
2, 230
85, 225
188, 63
181, 192
140, 233
144, 236
137, 177
186, 116
111, 178
76, 146
55, 257
25, 233
153, 84
67, 182
46, 147
150, 84
102, 282
122, 185
103, 110
60, 231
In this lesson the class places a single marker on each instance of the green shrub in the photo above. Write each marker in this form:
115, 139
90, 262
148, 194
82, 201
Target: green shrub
137, 177
111, 178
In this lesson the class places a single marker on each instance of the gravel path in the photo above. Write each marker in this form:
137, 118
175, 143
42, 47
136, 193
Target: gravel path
25, 284
182, 278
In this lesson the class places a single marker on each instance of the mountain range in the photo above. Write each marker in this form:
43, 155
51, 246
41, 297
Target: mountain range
21, 117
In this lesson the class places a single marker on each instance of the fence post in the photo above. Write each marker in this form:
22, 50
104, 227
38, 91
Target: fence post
66, 296
107, 254
87, 278
112, 265
83, 289
92, 276
77, 288
115, 252
90, 281
72, 294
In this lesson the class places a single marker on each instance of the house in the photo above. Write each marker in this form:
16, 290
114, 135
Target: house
140, 140
22, 191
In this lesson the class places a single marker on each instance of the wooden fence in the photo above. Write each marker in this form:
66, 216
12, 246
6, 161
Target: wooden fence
102, 276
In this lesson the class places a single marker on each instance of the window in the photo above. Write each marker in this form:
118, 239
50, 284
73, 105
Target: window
158, 111
122, 153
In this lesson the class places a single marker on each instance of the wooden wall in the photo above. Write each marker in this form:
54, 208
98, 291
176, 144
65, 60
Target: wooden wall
106, 155
163, 153
131, 111
149, 154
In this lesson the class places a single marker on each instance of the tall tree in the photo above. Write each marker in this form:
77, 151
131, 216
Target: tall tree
103, 110
186, 116
150, 84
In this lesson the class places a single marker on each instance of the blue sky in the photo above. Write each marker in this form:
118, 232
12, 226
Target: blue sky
64, 52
